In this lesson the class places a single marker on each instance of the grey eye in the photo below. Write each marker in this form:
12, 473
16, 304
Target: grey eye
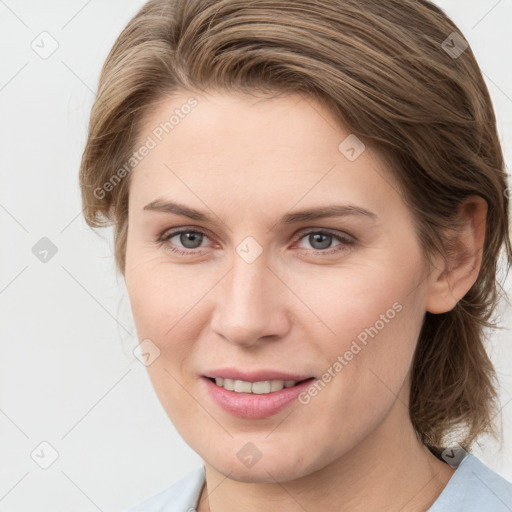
320, 240
190, 239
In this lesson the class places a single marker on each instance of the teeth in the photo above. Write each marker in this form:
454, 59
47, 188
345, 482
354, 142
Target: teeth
258, 388
276, 385
261, 388
243, 387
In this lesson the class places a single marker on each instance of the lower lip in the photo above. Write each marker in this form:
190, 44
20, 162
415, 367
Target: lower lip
251, 405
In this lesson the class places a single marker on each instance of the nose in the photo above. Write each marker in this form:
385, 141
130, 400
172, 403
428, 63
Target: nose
251, 304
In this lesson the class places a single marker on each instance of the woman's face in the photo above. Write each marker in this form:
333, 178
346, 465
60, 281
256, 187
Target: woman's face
261, 288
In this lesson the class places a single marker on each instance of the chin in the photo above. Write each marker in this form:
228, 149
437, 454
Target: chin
262, 473
275, 465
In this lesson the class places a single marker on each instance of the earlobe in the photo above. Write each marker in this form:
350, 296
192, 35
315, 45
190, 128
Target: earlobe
453, 278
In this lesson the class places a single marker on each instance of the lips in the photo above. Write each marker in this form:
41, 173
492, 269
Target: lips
260, 403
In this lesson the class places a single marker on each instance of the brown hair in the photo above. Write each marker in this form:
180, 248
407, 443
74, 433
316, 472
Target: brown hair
388, 72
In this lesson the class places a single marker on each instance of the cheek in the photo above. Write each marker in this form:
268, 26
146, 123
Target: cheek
160, 294
367, 365
167, 303
163, 310
371, 306
162, 307
375, 316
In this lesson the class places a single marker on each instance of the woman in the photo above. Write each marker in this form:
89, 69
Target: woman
309, 202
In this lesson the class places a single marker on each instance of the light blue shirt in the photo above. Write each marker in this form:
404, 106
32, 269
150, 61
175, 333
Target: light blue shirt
473, 487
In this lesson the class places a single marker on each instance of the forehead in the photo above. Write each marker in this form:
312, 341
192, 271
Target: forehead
276, 149
225, 124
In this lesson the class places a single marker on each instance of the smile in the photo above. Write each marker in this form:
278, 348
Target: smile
259, 388
254, 400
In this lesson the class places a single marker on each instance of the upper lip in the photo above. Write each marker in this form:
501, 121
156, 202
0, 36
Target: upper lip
255, 375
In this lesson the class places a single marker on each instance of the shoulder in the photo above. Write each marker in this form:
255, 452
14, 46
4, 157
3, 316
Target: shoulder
182, 496
474, 487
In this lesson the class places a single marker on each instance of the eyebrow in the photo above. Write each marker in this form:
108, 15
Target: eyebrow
335, 210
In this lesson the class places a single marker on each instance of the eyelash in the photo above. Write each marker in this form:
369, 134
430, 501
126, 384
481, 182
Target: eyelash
165, 236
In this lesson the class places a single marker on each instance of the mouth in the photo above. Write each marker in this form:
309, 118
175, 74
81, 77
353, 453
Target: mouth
263, 387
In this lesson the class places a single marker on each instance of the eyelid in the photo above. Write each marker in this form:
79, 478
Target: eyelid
342, 236
329, 231
171, 232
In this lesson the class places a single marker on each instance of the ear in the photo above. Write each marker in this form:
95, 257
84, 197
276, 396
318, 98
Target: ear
452, 279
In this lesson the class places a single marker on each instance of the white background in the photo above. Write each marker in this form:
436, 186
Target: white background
68, 375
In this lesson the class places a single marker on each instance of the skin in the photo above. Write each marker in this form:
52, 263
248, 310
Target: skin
247, 161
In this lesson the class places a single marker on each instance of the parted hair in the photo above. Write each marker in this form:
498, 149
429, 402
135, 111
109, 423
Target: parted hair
392, 72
